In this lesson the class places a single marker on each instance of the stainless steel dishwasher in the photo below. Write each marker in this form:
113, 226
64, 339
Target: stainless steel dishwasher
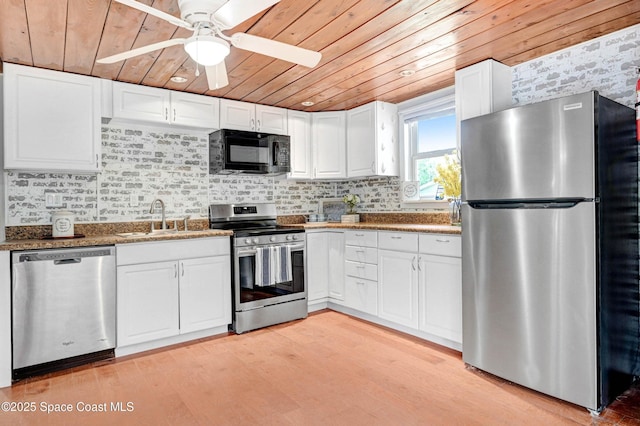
64, 308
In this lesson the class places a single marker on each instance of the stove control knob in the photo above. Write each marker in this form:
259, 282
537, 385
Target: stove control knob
272, 238
289, 237
247, 241
294, 237
256, 240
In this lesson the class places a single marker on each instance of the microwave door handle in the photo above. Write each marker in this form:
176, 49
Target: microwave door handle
276, 152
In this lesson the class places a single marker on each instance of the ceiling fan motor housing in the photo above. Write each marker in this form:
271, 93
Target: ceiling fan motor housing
194, 11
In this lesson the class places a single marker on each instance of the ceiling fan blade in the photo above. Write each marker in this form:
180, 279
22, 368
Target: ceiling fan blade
276, 49
140, 51
155, 12
235, 12
217, 76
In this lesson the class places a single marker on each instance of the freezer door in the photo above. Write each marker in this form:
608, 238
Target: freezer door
529, 298
538, 151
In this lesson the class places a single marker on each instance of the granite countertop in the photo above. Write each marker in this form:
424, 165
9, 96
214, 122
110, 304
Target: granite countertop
400, 227
103, 240
98, 234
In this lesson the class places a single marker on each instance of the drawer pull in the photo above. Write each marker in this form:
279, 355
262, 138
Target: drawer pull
396, 238
360, 266
359, 235
442, 241
359, 283
359, 251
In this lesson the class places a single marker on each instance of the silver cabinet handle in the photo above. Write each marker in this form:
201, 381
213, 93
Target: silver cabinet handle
182, 269
166, 114
258, 127
175, 270
413, 263
174, 114
253, 124
441, 241
359, 235
396, 238
359, 283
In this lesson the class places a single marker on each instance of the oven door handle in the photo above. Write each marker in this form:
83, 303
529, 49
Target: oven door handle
251, 252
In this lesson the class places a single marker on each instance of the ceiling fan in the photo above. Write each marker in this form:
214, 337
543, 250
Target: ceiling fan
208, 46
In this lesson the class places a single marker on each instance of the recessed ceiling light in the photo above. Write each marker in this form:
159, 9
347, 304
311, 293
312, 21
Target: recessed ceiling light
307, 103
178, 79
407, 73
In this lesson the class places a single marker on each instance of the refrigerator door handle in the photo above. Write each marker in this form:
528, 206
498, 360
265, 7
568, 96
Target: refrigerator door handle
530, 204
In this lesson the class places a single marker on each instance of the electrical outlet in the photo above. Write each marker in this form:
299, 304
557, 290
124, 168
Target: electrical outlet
53, 200
133, 200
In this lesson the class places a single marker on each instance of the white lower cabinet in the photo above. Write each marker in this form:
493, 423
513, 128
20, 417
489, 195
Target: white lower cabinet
398, 287
361, 271
335, 245
325, 266
317, 269
205, 292
146, 302
441, 296
169, 288
441, 286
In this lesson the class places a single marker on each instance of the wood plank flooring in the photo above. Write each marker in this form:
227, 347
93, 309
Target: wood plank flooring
329, 369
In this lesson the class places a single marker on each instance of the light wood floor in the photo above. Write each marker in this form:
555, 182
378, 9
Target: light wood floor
328, 369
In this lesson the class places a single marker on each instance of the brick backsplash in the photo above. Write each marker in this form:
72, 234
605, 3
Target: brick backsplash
140, 163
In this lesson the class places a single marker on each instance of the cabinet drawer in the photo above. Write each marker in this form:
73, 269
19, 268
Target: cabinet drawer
361, 238
442, 245
361, 254
361, 270
361, 294
398, 241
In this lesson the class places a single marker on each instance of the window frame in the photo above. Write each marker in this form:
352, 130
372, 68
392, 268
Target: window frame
427, 105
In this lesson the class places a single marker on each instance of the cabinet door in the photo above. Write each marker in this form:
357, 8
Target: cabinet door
133, 102
271, 120
51, 120
205, 293
317, 252
329, 141
441, 296
188, 109
361, 141
398, 287
335, 244
299, 127
237, 115
147, 302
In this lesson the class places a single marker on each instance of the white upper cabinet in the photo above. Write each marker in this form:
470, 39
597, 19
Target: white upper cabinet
372, 140
193, 110
481, 89
51, 120
151, 104
300, 132
328, 135
271, 120
239, 115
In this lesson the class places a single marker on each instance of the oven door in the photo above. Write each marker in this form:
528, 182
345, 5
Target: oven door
249, 296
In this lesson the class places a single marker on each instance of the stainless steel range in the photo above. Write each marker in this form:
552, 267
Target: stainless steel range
267, 265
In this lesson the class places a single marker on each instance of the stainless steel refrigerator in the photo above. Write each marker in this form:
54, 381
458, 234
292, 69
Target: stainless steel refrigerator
550, 247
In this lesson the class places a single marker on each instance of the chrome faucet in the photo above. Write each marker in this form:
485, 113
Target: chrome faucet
152, 210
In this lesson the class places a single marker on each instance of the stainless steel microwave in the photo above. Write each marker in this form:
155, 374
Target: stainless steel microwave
239, 151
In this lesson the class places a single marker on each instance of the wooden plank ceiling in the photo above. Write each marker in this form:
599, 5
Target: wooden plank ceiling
364, 43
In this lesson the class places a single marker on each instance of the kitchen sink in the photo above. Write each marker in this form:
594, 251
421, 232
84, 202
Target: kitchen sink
146, 234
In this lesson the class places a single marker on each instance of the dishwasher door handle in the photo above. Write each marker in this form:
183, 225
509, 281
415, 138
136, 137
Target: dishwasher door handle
67, 261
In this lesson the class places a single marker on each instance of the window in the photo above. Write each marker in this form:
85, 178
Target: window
429, 135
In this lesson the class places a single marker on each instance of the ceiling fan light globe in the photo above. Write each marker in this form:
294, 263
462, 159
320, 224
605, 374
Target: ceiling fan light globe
208, 50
